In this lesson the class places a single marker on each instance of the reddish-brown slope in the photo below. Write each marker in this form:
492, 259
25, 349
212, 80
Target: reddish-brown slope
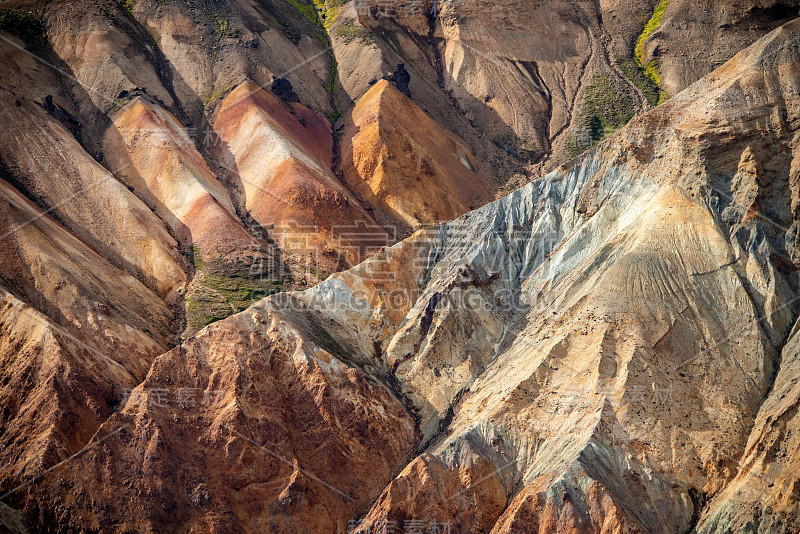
158, 160
273, 434
74, 329
279, 156
468, 499
156, 157
397, 158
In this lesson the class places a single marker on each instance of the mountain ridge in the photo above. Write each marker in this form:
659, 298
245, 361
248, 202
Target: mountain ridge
610, 348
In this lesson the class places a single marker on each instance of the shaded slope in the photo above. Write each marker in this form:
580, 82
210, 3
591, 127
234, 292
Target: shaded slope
52, 168
71, 339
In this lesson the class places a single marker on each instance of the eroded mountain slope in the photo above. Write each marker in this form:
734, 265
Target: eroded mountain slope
126, 224
75, 331
590, 353
545, 80
406, 164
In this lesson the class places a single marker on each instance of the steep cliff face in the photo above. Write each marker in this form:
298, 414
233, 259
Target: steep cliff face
611, 348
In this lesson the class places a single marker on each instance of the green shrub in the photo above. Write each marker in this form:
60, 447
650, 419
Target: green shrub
608, 106
309, 11
222, 27
327, 11
635, 74
127, 7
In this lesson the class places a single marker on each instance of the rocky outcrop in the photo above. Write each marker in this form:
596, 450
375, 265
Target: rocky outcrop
608, 397
764, 495
134, 108
157, 160
285, 437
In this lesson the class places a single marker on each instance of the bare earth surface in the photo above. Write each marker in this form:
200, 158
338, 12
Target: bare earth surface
254, 278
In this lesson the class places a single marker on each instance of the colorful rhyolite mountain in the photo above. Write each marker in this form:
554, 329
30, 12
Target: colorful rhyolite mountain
610, 348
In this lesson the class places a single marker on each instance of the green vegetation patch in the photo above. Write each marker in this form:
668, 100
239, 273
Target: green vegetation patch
327, 11
323, 13
635, 74
350, 32
222, 27
27, 25
608, 106
218, 93
650, 69
127, 7
330, 86
221, 289
309, 11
